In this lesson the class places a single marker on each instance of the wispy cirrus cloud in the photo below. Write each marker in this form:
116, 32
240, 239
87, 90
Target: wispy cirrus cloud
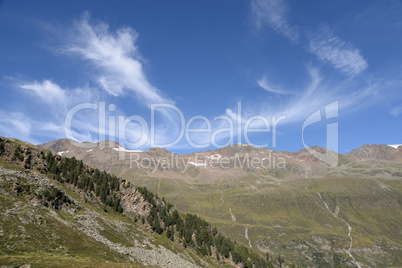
315, 95
52, 102
328, 47
27, 128
264, 83
273, 13
116, 59
298, 106
331, 49
55, 97
86, 123
47, 91
15, 124
117, 64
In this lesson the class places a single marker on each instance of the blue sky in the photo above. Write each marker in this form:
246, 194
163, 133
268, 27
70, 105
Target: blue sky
203, 59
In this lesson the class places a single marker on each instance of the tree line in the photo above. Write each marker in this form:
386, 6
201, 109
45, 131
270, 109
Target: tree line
73, 171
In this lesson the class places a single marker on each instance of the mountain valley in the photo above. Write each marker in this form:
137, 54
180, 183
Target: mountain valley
313, 213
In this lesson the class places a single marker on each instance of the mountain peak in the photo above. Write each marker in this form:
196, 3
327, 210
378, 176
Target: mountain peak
158, 151
375, 152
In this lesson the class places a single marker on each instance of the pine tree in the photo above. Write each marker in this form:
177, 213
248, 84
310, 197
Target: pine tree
17, 153
281, 260
2, 147
120, 209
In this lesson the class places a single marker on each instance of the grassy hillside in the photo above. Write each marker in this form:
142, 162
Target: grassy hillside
81, 234
290, 217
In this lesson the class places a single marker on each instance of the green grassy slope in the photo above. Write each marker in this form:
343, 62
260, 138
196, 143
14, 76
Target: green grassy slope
46, 237
290, 218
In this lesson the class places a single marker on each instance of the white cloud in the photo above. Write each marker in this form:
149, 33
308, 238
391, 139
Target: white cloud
298, 107
313, 96
273, 13
331, 49
47, 120
328, 47
116, 59
14, 124
263, 82
47, 91
57, 98
23, 127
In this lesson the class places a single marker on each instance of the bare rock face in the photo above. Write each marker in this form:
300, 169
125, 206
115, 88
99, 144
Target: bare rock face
337, 210
376, 152
132, 201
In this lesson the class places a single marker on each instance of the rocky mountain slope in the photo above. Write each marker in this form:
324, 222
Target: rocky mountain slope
313, 213
376, 152
233, 161
56, 211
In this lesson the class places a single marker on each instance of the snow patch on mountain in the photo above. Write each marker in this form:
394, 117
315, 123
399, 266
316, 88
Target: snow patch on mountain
62, 152
394, 145
122, 149
197, 164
